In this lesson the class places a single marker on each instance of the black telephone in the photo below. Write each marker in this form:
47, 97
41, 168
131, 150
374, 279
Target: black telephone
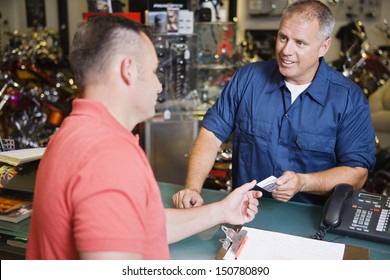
357, 214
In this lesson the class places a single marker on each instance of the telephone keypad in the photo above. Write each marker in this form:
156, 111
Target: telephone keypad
383, 220
361, 220
387, 203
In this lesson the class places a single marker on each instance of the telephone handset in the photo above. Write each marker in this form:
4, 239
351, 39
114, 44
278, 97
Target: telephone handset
357, 214
335, 205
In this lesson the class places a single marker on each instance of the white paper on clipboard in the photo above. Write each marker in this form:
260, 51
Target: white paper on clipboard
269, 245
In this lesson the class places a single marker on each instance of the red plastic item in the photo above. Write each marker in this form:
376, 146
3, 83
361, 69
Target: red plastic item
131, 15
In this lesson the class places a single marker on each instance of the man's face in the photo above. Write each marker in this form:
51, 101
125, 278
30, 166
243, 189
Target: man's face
147, 84
298, 49
171, 16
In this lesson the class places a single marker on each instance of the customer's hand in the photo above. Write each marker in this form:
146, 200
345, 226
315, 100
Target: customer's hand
240, 206
187, 198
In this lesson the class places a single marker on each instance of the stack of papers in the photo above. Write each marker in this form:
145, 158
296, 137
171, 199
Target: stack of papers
17, 157
15, 206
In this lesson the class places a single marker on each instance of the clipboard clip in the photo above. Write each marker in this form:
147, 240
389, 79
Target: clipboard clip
233, 240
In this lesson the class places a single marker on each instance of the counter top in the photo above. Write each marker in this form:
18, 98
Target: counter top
292, 218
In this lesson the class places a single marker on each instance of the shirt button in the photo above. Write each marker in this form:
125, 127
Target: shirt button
286, 115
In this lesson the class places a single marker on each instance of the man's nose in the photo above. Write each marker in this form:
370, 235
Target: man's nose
159, 89
288, 48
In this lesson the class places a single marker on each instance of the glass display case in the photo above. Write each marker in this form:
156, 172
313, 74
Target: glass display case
193, 68
216, 58
176, 70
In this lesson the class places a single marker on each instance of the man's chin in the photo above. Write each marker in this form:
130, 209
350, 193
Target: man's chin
286, 73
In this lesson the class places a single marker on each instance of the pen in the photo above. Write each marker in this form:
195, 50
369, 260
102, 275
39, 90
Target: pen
241, 247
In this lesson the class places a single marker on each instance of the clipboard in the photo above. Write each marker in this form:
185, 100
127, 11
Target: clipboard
236, 239
233, 242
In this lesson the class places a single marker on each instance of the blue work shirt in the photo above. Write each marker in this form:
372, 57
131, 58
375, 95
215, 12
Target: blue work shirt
328, 125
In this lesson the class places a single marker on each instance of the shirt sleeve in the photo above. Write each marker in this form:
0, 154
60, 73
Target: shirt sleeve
356, 136
220, 118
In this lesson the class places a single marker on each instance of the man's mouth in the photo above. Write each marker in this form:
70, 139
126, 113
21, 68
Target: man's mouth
287, 62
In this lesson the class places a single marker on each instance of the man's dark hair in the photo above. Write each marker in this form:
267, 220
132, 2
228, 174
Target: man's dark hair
97, 40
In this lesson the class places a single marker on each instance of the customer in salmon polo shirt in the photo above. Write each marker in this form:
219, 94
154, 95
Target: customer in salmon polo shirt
95, 194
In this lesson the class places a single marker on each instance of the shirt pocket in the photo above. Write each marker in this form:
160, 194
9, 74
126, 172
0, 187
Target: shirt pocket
259, 129
252, 139
318, 146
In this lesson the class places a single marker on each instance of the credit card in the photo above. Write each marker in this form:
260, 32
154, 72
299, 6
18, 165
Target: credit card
268, 184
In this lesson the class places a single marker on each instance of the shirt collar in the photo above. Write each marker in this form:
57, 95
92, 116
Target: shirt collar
96, 110
317, 89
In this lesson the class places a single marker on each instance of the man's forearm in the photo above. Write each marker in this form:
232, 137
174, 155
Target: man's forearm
182, 223
202, 159
324, 182
198, 169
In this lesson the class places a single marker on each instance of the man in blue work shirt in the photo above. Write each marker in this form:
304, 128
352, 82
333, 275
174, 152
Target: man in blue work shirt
294, 117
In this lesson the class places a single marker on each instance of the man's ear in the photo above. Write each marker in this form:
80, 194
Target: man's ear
325, 47
127, 66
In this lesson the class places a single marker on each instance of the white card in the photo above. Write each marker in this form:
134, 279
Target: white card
268, 184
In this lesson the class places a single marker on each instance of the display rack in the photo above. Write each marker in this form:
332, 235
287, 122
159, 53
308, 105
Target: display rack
177, 65
215, 59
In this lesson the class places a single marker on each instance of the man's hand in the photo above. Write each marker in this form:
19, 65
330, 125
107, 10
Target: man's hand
187, 198
240, 206
289, 184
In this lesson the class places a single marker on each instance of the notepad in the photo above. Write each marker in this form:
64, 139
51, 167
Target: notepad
17, 157
268, 245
